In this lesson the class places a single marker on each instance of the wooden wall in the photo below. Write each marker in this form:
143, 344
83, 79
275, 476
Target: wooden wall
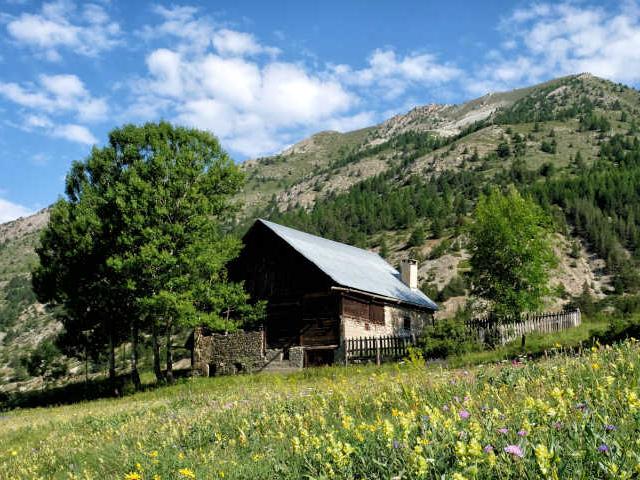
365, 309
301, 309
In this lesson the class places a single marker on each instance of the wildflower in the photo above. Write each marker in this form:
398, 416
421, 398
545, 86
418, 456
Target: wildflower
396, 444
503, 430
557, 425
488, 449
604, 448
543, 457
610, 428
464, 414
522, 433
133, 476
514, 450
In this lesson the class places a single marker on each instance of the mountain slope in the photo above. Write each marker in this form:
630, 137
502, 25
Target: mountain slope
407, 185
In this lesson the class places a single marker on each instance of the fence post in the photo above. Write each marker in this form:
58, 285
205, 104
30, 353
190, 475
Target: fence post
346, 352
378, 351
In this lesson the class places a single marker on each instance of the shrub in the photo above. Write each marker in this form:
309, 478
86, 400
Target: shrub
448, 337
456, 287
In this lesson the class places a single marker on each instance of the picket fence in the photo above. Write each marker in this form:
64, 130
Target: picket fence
534, 322
396, 347
390, 347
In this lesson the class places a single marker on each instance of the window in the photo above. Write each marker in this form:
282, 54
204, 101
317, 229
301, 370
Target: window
406, 323
376, 313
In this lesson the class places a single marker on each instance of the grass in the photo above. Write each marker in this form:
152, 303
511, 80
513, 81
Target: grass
564, 417
536, 344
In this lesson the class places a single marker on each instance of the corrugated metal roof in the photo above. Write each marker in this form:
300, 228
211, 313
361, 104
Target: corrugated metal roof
351, 267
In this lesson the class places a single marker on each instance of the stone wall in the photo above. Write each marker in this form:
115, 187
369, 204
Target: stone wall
220, 354
394, 320
395, 317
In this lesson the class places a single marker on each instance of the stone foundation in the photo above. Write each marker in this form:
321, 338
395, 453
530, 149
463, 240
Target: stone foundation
239, 352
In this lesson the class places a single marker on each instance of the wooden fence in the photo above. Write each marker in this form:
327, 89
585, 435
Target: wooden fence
536, 322
389, 347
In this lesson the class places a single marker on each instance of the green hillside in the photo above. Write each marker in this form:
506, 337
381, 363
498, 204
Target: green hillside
406, 187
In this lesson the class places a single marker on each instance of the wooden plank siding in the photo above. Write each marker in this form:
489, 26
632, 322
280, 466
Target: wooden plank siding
364, 309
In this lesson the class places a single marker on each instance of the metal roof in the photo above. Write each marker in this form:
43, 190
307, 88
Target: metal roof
352, 267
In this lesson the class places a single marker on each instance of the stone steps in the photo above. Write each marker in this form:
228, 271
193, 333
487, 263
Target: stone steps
282, 366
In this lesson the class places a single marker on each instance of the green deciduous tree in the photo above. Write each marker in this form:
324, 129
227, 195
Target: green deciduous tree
142, 227
511, 253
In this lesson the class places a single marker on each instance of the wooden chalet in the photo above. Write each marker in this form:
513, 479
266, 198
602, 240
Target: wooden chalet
321, 293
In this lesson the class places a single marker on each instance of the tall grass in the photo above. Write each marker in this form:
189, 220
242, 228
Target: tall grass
565, 417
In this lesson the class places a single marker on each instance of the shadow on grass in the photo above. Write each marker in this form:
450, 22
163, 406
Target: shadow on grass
70, 393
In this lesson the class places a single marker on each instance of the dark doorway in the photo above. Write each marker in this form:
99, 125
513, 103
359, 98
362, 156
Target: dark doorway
319, 357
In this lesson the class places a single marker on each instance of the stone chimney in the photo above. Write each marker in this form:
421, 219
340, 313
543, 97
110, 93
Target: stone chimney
409, 272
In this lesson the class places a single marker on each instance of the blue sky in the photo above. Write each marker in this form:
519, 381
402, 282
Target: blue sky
263, 75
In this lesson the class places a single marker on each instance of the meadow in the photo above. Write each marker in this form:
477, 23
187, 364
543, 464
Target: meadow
563, 417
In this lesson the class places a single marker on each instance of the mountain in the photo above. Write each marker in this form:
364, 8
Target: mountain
407, 186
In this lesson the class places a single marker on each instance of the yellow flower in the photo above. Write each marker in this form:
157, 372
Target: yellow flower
153, 454
133, 476
187, 473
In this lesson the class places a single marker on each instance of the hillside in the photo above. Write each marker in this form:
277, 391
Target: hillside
407, 186
571, 416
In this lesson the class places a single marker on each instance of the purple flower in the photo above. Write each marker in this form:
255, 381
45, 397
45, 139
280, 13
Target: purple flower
503, 430
610, 428
464, 414
523, 433
445, 408
514, 450
488, 449
396, 444
581, 406
557, 425
603, 448
484, 409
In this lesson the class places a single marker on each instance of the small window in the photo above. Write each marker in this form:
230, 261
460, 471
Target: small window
406, 324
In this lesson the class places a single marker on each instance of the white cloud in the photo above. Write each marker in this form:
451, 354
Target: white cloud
57, 94
74, 133
10, 211
61, 24
249, 105
560, 39
393, 75
233, 43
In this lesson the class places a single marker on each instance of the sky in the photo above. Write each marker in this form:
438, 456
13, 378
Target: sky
263, 75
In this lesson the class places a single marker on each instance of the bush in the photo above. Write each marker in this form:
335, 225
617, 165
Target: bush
46, 360
417, 237
448, 337
456, 287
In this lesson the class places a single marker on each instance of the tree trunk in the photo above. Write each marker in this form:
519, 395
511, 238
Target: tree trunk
112, 358
169, 374
135, 376
156, 353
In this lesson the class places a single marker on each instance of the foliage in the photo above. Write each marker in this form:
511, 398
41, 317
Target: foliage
456, 287
138, 243
511, 253
417, 237
18, 295
46, 361
447, 337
